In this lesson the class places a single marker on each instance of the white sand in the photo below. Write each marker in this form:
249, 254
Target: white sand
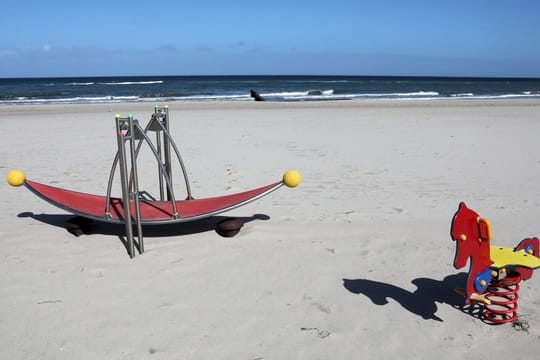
381, 181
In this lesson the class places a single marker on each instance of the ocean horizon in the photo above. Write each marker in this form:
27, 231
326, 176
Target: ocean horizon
113, 89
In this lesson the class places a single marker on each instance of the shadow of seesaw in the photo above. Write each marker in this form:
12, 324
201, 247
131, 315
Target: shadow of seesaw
423, 301
104, 228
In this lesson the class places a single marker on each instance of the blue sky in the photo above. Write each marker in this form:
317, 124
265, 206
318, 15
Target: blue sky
199, 37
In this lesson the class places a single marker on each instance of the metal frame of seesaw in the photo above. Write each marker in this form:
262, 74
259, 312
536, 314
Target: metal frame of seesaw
128, 131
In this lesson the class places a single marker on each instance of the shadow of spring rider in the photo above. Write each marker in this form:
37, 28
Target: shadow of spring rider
494, 271
136, 208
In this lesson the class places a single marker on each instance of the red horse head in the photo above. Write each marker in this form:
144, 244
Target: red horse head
472, 235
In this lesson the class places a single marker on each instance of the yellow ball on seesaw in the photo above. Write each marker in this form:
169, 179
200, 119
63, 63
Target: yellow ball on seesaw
292, 178
16, 178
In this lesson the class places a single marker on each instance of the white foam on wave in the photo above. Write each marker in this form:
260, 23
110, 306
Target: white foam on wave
415, 94
507, 96
73, 100
418, 93
211, 97
277, 96
80, 83
133, 82
291, 94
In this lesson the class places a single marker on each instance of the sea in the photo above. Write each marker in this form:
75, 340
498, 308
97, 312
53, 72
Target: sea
91, 90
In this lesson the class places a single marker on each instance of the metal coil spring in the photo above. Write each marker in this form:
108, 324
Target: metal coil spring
503, 295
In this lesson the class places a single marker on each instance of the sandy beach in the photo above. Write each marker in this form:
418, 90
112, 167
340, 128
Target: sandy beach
355, 263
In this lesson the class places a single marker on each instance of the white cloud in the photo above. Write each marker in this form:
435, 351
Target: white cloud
7, 52
46, 48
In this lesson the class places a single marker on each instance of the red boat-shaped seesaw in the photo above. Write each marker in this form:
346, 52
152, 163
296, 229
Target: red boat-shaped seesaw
153, 212
144, 209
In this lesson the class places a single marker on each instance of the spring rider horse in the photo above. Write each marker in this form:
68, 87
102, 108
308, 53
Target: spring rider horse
494, 272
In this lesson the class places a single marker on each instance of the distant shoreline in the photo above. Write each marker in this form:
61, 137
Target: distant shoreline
457, 101
113, 108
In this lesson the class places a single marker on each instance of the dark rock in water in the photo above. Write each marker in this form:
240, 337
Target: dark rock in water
78, 225
229, 227
255, 95
314, 92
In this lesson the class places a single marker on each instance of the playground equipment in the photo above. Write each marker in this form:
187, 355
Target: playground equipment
137, 207
495, 272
